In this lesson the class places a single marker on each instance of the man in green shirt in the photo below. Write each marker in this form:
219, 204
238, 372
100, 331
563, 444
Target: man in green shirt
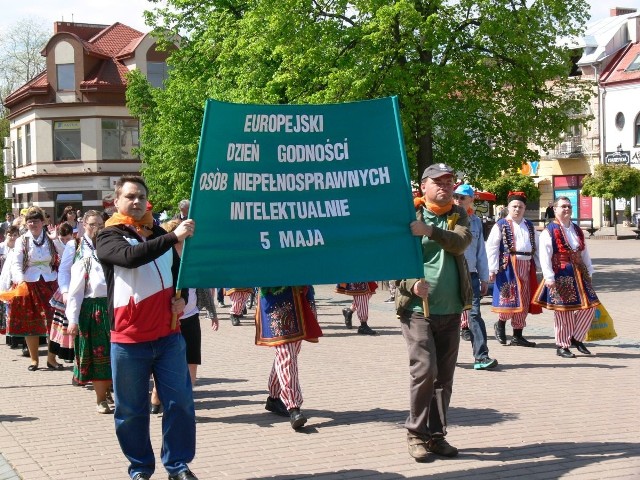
429, 310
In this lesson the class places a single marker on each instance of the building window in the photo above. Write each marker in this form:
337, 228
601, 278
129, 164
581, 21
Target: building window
119, 138
66, 76
19, 147
620, 120
27, 141
157, 73
635, 65
636, 132
66, 140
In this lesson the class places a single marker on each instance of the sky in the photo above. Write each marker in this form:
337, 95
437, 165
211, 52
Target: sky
129, 12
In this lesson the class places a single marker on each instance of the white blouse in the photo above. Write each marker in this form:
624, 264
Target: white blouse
69, 254
546, 251
522, 244
39, 261
5, 275
80, 287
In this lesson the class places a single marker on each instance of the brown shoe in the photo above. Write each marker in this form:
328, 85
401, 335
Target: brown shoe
417, 445
440, 446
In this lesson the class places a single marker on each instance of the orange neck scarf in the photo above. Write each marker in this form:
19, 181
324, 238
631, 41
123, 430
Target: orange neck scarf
470, 211
419, 202
437, 209
144, 226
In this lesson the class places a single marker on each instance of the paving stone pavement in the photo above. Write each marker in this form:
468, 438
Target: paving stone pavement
536, 416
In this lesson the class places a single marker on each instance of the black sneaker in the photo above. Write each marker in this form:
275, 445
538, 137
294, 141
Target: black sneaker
390, 300
365, 329
235, 320
465, 334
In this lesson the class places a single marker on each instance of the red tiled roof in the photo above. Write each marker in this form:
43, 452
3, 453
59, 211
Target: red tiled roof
107, 73
616, 71
38, 84
114, 38
130, 48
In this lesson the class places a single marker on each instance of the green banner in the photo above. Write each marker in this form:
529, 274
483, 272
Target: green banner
300, 194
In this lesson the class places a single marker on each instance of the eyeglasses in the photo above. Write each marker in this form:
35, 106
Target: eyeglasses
570, 207
457, 196
93, 225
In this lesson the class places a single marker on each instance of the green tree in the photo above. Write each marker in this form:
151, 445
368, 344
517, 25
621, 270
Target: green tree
511, 182
611, 182
478, 81
20, 57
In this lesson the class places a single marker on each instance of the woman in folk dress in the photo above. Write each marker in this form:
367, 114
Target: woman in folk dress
88, 317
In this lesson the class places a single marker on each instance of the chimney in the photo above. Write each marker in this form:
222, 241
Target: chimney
83, 30
617, 11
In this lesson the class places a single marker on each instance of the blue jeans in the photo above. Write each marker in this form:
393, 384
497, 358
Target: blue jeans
132, 364
476, 323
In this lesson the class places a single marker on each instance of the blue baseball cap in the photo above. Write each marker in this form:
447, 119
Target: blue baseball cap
464, 189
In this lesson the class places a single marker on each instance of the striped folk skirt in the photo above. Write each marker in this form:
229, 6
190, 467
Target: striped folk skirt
60, 343
93, 344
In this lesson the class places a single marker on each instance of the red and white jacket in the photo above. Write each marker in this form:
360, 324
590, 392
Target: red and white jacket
140, 274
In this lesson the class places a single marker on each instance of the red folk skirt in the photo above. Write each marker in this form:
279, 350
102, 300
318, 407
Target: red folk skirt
32, 314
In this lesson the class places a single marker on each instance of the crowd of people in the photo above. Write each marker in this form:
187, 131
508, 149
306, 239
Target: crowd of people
101, 289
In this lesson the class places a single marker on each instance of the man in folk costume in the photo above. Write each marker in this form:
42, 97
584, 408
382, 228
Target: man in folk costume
361, 293
432, 331
566, 287
239, 297
285, 316
512, 255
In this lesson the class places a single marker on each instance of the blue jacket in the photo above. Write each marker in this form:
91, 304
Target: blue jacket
476, 254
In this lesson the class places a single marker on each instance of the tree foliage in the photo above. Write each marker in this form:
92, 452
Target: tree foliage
20, 57
478, 81
20, 61
512, 182
612, 181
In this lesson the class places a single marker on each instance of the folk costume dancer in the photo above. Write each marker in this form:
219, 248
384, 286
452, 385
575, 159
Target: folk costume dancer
361, 293
88, 316
284, 317
512, 255
35, 262
566, 287
239, 297
60, 342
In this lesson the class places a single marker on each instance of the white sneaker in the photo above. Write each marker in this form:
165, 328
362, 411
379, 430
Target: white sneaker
103, 407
